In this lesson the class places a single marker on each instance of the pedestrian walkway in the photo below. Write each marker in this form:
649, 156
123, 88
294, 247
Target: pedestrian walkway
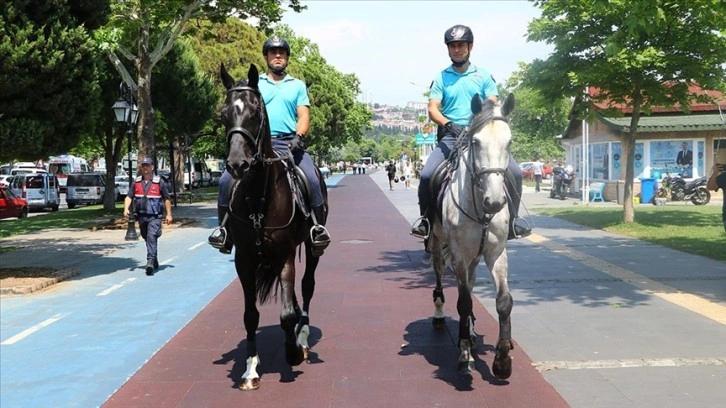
372, 340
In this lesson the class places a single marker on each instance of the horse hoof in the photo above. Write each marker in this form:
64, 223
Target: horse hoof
465, 367
502, 367
306, 354
294, 355
250, 384
438, 323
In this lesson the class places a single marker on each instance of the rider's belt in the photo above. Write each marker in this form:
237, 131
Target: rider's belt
283, 135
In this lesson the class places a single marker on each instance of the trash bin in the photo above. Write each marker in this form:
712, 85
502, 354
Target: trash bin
647, 190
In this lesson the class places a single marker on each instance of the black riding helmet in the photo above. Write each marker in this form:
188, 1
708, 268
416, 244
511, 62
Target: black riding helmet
459, 33
275, 42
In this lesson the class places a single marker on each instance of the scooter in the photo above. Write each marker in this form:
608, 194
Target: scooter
561, 181
675, 188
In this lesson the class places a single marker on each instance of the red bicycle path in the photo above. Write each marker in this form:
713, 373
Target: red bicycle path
372, 342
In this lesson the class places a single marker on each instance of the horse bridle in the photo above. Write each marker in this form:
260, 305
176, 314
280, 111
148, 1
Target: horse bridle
477, 172
254, 140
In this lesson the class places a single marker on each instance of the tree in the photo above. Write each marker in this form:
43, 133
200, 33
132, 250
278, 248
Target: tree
151, 28
186, 99
640, 54
536, 121
49, 94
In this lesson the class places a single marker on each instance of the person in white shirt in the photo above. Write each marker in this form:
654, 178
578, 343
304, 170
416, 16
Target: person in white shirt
537, 169
407, 173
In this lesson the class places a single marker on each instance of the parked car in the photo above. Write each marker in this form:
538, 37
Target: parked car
41, 190
85, 189
12, 206
122, 184
528, 171
5, 180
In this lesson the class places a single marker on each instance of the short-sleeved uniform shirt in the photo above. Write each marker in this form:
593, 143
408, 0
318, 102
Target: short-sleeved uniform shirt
281, 100
456, 90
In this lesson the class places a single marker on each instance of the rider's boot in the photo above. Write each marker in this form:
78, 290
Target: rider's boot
421, 228
218, 239
318, 233
518, 228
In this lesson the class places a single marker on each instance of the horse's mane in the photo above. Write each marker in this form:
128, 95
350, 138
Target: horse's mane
481, 118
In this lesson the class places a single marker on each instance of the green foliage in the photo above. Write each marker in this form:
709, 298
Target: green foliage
49, 91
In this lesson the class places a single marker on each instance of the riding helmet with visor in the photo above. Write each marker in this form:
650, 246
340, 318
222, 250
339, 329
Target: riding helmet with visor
275, 42
459, 33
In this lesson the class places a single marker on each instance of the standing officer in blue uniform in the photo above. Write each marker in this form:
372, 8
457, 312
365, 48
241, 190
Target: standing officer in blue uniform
450, 108
288, 108
148, 194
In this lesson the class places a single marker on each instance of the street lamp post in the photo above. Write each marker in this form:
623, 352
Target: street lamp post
127, 112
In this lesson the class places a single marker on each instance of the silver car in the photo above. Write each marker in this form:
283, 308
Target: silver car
85, 189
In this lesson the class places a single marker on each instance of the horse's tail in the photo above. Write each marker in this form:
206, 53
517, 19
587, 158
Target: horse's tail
265, 280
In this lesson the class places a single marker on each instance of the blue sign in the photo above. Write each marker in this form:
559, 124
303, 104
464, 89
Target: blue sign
425, 139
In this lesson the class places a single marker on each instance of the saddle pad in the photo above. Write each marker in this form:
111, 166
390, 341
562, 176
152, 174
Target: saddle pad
296, 180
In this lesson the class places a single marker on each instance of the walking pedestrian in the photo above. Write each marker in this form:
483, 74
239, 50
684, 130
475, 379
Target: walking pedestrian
148, 194
450, 108
391, 170
407, 173
537, 170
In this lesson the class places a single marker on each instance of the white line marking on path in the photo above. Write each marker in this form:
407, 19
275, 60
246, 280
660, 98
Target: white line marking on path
196, 246
115, 287
167, 261
626, 363
27, 332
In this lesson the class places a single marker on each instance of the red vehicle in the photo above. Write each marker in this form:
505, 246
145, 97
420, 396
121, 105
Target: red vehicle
12, 206
528, 172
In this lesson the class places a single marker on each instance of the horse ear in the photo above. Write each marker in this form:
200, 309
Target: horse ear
476, 104
253, 76
227, 79
508, 105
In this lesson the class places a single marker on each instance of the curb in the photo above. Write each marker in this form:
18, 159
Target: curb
61, 275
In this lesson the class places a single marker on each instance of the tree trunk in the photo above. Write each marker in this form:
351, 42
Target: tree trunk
629, 149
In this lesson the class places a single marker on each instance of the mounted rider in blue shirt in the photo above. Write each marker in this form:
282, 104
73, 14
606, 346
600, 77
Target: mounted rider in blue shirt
450, 108
288, 107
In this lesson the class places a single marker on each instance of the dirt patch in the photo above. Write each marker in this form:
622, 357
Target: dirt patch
122, 223
20, 281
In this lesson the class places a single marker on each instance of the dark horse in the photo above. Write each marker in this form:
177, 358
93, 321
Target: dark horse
266, 225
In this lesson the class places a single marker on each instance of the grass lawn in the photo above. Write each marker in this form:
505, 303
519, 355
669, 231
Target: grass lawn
86, 216
691, 229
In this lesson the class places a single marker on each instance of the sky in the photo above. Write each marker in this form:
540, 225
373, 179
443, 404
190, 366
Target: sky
391, 44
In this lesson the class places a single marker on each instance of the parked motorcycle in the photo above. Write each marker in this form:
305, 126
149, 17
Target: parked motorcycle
675, 188
561, 180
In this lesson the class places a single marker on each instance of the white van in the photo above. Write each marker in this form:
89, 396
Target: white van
64, 165
200, 174
39, 189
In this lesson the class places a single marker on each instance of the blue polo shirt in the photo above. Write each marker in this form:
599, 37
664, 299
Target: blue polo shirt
455, 91
281, 100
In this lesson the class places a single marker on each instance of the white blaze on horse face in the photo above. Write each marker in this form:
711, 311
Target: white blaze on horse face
239, 105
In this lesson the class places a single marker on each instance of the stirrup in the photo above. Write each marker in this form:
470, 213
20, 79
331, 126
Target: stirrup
421, 221
318, 245
218, 239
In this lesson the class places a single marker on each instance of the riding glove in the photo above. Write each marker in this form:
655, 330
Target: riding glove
296, 143
454, 129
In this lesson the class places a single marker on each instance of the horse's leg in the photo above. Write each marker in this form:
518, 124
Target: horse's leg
437, 260
498, 264
467, 339
250, 378
308, 289
289, 315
